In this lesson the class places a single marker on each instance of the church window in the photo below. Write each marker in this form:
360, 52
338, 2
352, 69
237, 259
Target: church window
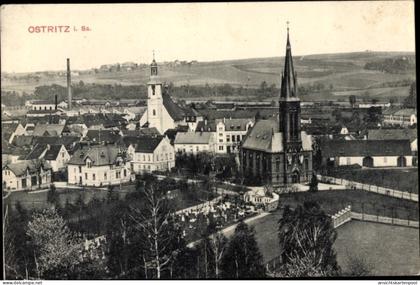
153, 89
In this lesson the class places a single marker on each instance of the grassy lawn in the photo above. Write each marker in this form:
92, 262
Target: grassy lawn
399, 179
38, 200
389, 250
361, 201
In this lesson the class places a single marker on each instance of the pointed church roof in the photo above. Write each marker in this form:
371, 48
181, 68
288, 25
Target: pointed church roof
288, 80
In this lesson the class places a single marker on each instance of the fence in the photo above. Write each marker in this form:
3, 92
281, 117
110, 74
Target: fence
346, 215
370, 188
342, 217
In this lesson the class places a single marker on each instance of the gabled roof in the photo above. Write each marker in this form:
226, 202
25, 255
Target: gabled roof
33, 166
143, 144
358, 148
23, 140
175, 111
392, 134
36, 152
405, 112
141, 132
99, 155
265, 136
234, 124
206, 126
7, 130
52, 130
53, 152
108, 136
193, 138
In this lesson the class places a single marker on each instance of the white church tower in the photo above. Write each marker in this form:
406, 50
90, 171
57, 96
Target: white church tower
154, 99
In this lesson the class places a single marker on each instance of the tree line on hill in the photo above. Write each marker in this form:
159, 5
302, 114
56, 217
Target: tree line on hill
393, 65
117, 91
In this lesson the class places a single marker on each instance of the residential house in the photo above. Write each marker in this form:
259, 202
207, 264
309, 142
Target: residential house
10, 130
56, 155
50, 130
194, 142
150, 153
99, 165
26, 175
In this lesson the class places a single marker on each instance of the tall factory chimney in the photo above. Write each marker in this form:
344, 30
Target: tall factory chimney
55, 102
68, 84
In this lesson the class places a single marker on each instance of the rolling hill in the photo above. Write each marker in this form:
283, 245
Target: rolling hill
343, 74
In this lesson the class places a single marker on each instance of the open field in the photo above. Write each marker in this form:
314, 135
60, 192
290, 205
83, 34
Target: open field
339, 73
398, 178
390, 250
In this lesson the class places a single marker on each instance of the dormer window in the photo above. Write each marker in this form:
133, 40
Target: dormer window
89, 164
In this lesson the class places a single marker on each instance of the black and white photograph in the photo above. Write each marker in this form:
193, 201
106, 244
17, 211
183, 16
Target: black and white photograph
209, 141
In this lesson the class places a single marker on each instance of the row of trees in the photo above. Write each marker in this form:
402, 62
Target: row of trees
118, 91
144, 241
393, 65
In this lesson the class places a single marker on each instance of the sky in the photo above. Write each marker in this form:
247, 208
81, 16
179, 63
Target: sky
197, 31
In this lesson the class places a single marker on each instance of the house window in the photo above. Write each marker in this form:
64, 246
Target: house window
220, 147
89, 164
86, 176
125, 172
154, 112
220, 134
233, 138
198, 148
105, 176
238, 138
93, 176
228, 138
166, 156
62, 154
80, 169
221, 140
148, 157
118, 174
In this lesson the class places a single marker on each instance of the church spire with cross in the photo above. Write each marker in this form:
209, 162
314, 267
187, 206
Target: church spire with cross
289, 105
288, 80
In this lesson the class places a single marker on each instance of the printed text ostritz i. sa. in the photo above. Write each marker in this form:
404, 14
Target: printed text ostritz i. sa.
57, 29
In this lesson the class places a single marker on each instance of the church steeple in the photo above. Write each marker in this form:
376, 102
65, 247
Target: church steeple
153, 66
288, 80
289, 105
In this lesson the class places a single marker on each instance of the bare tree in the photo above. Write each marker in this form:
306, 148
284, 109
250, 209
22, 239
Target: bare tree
155, 227
217, 243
